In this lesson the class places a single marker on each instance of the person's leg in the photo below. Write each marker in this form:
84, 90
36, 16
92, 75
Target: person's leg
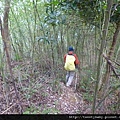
67, 76
70, 79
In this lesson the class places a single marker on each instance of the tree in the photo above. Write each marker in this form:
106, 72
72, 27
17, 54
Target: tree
115, 19
104, 35
7, 47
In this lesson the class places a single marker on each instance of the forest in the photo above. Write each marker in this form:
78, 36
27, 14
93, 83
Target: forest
34, 37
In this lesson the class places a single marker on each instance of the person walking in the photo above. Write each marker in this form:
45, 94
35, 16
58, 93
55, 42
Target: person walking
71, 64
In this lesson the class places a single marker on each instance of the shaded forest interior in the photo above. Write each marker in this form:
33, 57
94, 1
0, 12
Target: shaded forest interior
35, 35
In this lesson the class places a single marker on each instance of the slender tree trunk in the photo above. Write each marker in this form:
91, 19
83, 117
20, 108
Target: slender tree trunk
7, 46
104, 34
111, 52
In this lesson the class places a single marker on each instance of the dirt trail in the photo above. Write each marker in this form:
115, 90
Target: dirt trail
68, 102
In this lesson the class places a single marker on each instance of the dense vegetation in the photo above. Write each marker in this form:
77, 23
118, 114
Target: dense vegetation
35, 35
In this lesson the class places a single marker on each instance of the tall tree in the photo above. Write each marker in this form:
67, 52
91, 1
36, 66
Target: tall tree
106, 78
104, 35
7, 46
6, 41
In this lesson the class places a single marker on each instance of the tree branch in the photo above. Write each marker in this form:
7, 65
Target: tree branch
110, 64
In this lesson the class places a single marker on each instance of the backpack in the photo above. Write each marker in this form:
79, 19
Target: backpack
69, 64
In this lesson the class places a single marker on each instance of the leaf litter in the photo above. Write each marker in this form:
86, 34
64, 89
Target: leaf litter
38, 95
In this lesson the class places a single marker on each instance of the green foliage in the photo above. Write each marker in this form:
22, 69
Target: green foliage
17, 57
89, 11
114, 108
1, 6
56, 86
31, 110
86, 77
86, 85
55, 17
50, 111
88, 96
34, 110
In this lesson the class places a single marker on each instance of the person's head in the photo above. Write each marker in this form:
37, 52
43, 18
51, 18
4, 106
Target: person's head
70, 48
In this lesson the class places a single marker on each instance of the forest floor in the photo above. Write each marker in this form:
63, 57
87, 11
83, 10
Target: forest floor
43, 100
40, 94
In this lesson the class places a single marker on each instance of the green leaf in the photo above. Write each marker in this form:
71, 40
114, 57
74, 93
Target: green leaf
26, 112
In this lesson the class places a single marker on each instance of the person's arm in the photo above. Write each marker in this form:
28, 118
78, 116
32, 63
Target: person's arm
77, 62
65, 58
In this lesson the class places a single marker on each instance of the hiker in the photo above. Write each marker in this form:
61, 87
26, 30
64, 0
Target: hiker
71, 63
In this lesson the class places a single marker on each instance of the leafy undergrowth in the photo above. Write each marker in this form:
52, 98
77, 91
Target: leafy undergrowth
42, 94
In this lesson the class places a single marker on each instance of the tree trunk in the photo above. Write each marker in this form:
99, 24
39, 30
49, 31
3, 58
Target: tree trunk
7, 46
111, 51
104, 34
